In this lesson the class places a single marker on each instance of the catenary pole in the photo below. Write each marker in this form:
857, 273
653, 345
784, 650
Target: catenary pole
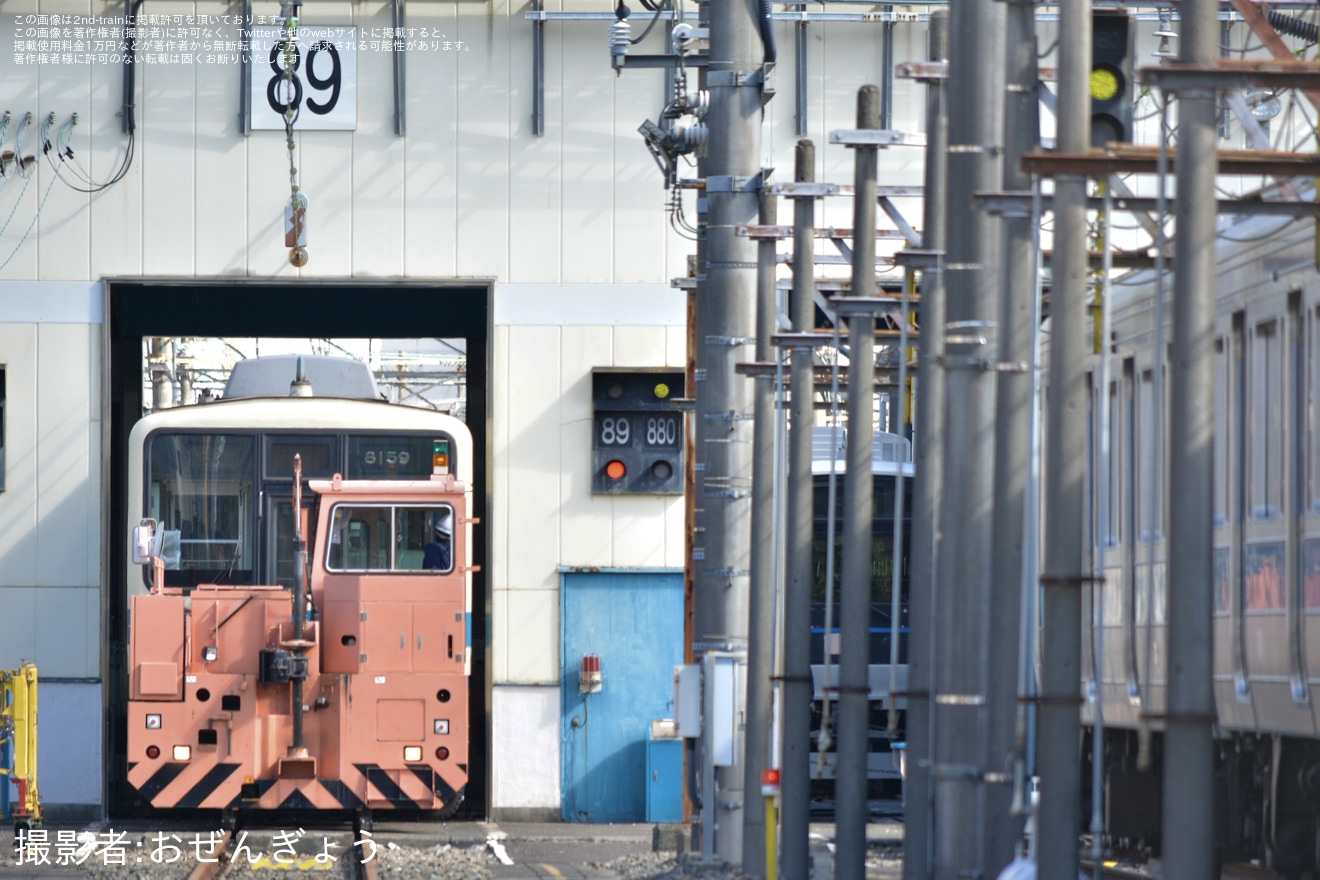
1189, 745
976, 63
928, 461
761, 608
1013, 401
1065, 466
850, 778
794, 776
726, 323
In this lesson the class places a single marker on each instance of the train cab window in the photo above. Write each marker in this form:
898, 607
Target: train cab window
389, 538
202, 487
319, 456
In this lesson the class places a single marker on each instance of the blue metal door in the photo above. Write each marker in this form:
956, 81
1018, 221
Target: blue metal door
633, 621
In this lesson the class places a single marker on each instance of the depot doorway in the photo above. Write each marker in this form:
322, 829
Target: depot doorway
141, 308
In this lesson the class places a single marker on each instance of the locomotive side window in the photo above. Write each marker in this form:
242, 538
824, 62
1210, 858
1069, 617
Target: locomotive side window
391, 538
201, 485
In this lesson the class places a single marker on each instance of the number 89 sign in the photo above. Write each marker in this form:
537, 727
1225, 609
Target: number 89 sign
324, 87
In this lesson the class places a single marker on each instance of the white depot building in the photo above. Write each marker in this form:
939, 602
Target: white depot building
437, 204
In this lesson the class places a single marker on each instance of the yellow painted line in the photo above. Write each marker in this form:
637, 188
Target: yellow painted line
266, 863
552, 871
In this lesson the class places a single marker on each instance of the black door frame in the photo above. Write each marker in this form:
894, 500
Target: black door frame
325, 308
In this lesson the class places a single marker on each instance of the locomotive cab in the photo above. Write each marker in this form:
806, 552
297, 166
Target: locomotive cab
378, 653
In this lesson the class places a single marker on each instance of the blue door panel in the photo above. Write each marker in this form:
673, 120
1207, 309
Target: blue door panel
634, 622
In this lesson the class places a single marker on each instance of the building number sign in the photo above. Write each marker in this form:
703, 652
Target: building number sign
324, 86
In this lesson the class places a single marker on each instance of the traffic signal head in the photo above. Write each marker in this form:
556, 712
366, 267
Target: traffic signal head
1111, 78
637, 435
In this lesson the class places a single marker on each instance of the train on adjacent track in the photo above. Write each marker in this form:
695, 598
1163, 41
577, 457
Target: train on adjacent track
300, 598
1266, 546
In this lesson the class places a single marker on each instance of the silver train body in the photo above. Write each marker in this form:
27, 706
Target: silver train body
1266, 527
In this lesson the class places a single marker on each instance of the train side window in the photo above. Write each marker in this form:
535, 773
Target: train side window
1146, 462
1266, 421
1312, 357
1219, 504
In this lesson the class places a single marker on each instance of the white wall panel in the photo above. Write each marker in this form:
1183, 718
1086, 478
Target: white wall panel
430, 149
531, 624
63, 633
221, 162
67, 502
589, 161
499, 634
525, 750
499, 410
60, 236
20, 610
639, 193
484, 108
167, 143
638, 532
534, 456
21, 93
378, 168
536, 184
676, 347
18, 501
639, 346
586, 517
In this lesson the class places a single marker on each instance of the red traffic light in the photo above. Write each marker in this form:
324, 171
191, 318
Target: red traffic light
615, 470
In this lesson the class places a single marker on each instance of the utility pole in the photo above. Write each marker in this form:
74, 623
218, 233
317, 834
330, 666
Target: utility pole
1188, 819
928, 459
1013, 403
762, 600
725, 326
850, 776
976, 63
1065, 466
794, 775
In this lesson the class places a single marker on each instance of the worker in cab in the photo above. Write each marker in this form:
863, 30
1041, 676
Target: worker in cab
439, 554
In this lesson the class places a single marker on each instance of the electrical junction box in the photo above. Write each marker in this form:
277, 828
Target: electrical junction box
637, 436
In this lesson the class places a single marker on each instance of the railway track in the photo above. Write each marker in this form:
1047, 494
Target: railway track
216, 863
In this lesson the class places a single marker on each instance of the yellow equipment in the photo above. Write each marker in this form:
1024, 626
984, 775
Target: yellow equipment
18, 731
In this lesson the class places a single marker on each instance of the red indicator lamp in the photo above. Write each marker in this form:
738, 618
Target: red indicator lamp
615, 470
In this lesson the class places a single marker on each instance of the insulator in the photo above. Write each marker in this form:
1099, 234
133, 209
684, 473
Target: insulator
620, 37
1293, 27
693, 135
701, 103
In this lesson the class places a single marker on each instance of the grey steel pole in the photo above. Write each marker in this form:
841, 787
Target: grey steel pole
1189, 745
726, 322
976, 63
850, 782
761, 604
1013, 401
1065, 467
794, 775
928, 461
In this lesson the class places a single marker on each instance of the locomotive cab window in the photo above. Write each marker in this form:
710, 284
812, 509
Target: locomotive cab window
391, 538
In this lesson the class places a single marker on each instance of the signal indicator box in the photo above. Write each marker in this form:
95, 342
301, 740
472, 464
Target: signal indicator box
637, 436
